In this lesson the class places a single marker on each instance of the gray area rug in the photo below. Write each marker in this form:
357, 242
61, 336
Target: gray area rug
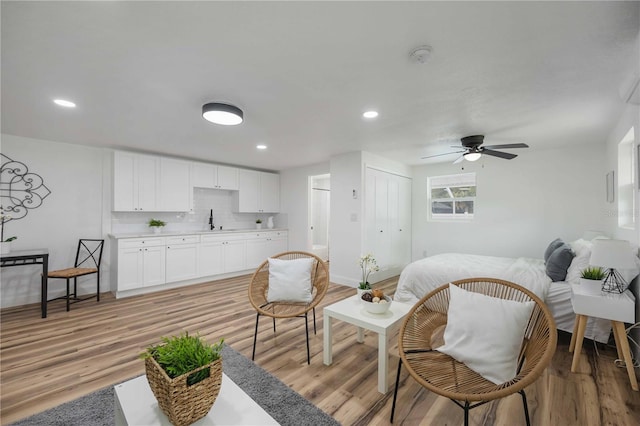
286, 406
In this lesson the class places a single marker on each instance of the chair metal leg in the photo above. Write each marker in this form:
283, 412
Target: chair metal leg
98, 287
526, 407
274, 325
255, 337
306, 329
466, 413
314, 321
395, 391
75, 287
67, 294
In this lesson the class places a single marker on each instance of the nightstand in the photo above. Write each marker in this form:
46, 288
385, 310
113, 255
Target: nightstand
617, 307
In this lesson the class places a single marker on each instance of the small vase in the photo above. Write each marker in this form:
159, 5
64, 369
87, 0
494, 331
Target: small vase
591, 286
258, 226
157, 229
5, 248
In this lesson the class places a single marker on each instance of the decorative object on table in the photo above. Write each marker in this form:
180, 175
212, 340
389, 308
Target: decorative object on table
5, 245
20, 190
185, 375
157, 225
258, 223
613, 255
375, 301
88, 259
368, 265
270, 222
610, 186
591, 277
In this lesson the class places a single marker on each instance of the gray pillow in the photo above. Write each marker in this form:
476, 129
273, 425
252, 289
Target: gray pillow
551, 247
559, 261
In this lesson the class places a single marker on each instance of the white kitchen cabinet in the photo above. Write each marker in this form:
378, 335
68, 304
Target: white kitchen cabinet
214, 176
174, 185
258, 192
141, 262
222, 253
182, 257
264, 244
135, 182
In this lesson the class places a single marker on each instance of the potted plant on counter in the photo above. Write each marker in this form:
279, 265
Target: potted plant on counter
156, 225
185, 375
258, 223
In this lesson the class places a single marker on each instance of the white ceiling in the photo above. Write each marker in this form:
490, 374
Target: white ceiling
543, 73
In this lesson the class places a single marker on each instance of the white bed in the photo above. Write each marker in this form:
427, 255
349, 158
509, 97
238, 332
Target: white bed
422, 276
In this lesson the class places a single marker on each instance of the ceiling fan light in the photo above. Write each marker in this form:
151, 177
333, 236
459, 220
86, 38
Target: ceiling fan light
472, 156
225, 114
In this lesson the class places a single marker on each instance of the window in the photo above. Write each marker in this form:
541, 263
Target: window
626, 181
452, 197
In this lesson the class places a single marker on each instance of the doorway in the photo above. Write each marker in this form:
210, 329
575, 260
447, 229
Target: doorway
319, 204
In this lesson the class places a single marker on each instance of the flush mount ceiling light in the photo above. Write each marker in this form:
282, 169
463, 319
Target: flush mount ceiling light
261, 146
420, 54
225, 114
370, 114
64, 103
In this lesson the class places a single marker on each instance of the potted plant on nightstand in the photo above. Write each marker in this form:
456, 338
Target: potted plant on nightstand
185, 375
592, 277
157, 225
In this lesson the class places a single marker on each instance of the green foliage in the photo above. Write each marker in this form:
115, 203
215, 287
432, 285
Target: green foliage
10, 239
258, 220
364, 286
181, 354
156, 222
593, 273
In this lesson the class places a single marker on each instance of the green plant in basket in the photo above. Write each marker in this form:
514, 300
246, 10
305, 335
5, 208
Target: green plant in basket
593, 273
178, 355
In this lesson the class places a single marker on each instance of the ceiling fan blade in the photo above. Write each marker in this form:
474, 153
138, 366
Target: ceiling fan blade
439, 155
508, 146
459, 160
505, 155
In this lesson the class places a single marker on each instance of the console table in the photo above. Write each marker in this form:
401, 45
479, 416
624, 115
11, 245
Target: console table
31, 257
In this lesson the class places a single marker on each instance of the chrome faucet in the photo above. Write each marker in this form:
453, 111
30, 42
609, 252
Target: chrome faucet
211, 225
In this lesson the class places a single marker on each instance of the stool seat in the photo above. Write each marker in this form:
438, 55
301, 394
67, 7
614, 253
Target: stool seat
72, 272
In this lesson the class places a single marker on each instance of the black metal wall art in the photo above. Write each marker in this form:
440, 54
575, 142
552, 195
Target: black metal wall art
20, 190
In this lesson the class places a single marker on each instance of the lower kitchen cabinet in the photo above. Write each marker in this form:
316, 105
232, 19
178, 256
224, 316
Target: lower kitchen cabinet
182, 258
141, 263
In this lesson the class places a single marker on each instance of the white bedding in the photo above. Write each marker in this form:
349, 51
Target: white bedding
423, 276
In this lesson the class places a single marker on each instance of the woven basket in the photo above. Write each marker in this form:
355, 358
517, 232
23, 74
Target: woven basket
184, 404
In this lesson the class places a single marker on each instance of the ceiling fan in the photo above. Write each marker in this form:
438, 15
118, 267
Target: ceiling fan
472, 149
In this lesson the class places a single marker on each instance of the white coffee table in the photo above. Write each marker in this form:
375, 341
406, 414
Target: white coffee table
135, 405
351, 310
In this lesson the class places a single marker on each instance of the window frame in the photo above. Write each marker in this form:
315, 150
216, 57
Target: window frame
464, 180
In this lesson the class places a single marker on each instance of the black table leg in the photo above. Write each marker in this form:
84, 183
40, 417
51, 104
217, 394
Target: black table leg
44, 285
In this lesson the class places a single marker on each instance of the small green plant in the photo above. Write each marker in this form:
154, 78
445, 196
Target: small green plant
593, 273
178, 355
156, 222
258, 220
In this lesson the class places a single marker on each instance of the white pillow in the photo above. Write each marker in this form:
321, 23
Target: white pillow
485, 333
290, 280
582, 249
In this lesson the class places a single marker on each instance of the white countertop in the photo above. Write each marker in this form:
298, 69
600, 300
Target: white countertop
174, 233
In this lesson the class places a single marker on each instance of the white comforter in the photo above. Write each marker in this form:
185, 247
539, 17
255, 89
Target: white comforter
425, 275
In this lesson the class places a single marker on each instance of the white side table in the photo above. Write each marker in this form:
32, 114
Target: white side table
352, 311
617, 307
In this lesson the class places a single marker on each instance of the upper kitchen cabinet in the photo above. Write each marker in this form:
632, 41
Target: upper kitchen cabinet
259, 192
135, 182
213, 176
174, 185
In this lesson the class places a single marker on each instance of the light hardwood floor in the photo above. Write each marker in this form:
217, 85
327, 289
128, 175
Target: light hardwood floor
45, 362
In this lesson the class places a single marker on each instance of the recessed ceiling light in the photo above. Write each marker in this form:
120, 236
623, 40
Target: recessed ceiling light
261, 146
224, 114
64, 103
370, 114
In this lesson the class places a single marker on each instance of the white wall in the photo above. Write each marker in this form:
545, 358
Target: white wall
294, 203
630, 118
521, 205
74, 209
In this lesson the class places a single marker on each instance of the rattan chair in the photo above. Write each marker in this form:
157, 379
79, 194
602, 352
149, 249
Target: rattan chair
258, 294
88, 259
423, 329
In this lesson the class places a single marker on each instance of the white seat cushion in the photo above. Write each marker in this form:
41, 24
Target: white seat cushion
290, 280
485, 333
